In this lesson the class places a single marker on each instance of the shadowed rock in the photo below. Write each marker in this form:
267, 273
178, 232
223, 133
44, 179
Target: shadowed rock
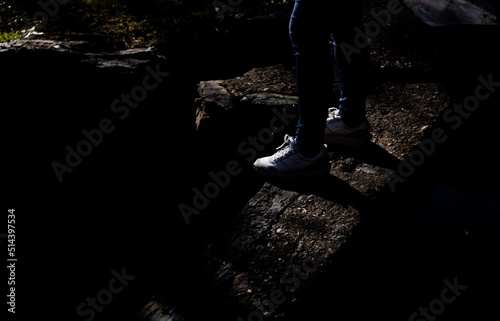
93, 53
454, 12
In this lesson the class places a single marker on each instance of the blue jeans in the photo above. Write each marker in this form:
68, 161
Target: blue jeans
312, 24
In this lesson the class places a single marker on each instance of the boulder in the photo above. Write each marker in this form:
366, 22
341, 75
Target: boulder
266, 88
91, 52
289, 233
454, 12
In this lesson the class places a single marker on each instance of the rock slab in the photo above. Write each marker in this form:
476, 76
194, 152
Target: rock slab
454, 12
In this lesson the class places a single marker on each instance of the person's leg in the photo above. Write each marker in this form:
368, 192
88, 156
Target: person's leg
310, 35
347, 125
351, 62
305, 154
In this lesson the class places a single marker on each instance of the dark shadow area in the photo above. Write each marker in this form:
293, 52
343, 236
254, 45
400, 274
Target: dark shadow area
329, 188
119, 207
207, 292
392, 266
370, 153
398, 260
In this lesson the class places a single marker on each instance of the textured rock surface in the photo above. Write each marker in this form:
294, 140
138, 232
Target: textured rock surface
271, 86
288, 223
92, 53
339, 245
310, 240
454, 12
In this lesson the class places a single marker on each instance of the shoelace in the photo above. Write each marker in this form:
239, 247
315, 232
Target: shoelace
285, 148
333, 114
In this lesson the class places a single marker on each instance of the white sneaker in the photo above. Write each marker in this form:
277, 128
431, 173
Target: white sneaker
288, 162
337, 132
